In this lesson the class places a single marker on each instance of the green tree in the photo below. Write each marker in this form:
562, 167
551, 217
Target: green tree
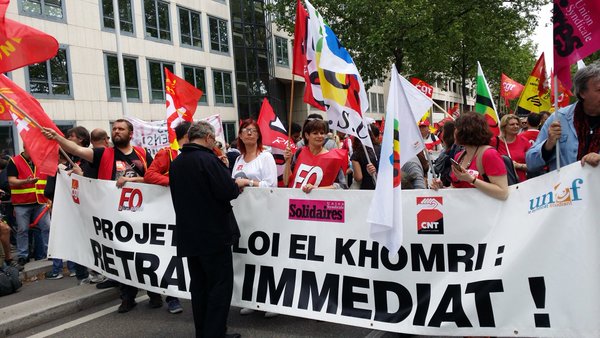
430, 39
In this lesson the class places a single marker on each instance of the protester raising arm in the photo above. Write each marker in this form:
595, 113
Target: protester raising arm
69, 146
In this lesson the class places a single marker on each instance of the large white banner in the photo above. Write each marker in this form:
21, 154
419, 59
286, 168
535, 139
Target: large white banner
469, 264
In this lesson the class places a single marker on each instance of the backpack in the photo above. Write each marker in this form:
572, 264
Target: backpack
9, 280
511, 173
442, 165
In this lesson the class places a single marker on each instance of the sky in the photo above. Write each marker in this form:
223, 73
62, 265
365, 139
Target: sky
543, 35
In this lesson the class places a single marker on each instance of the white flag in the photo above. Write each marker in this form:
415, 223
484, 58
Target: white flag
401, 141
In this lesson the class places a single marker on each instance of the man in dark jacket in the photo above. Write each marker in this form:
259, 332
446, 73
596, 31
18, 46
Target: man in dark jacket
201, 189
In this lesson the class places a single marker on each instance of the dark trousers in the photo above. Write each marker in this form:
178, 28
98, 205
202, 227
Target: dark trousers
129, 292
211, 286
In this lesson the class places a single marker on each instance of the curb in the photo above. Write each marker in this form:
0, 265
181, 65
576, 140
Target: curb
35, 312
35, 268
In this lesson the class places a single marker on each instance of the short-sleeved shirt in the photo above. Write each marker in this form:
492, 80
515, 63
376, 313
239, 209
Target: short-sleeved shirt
517, 149
11, 168
125, 165
492, 163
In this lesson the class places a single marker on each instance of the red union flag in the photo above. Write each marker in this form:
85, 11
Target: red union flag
21, 45
564, 95
423, 86
182, 101
576, 34
511, 89
272, 130
43, 152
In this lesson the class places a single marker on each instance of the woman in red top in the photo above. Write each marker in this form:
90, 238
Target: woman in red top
512, 144
479, 165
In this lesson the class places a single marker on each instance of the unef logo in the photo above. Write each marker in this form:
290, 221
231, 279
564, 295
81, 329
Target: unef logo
131, 199
558, 197
430, 219
395, 156
75, 190
306, 173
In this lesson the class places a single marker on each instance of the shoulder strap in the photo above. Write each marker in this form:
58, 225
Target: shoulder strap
479, 162
497, 141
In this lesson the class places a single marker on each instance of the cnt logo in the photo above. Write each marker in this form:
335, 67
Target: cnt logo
75, 190
131, 199
559, 196
430, 219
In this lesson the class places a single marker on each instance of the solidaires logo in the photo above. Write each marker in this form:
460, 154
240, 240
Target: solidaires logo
430, 219
559, 196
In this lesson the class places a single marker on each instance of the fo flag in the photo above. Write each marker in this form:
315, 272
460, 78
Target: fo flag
509, 89
484, 104
21, 45
182, 101
43, 152
576, 34
532, 100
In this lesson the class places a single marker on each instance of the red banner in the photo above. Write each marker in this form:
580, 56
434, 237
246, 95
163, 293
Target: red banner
576, 34
511, 89
423, 86
272, 130
182, 101
21, 45
43, 152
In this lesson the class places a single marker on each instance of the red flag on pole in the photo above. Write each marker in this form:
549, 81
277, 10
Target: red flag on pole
272, 130
43, 152
21, 45
564, 95
182, 101
576, 34
300, 62
423, 86
510, 89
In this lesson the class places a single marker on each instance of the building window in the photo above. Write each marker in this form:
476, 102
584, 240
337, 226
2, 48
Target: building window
156, 76
373, 102
281, 51
195, 76
156, 14
222, 85
51, 77
190, 27
380, 103
125, 15
229, 129
131, 77
50, 9
219, 40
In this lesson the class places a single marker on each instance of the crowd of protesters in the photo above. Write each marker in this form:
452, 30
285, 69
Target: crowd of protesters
469, 157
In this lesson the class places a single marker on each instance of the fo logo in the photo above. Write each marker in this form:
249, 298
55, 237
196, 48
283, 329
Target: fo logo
430, 219
75, 190
131, 199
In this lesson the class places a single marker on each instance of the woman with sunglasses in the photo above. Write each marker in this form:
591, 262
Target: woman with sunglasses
255, 166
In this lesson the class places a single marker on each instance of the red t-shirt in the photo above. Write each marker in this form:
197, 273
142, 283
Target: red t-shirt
531, 135
492, 163
517, 149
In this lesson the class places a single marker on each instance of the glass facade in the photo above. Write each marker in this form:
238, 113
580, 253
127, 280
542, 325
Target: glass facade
51, 77
125, 15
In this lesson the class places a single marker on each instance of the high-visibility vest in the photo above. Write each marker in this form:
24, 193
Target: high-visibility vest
107, 162
28, 193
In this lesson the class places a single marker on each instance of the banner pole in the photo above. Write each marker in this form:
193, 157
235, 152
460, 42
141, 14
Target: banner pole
291, 106
555, 110
34, 122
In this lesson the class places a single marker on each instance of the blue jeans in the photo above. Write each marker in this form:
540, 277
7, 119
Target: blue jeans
25, 215
57, 266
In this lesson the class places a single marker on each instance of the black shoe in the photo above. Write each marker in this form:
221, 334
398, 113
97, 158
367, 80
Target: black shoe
126, 305
22, 261
155, 301
109, 283
233, 335
15, 265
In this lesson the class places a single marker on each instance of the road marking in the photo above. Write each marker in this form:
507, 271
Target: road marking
82, 320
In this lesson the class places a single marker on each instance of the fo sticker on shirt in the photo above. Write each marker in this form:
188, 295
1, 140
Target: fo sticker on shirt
316, 210
430, 219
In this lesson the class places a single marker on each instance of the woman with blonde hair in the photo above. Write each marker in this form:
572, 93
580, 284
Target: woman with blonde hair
512, 144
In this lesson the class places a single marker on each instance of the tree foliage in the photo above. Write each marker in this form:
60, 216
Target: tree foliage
430, 39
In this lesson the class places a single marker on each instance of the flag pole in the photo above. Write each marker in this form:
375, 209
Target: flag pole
32, 121
291, 106
120, 67
555, 111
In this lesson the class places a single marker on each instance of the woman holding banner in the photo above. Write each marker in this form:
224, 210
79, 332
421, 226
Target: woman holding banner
479, 165
313, 166
255, 167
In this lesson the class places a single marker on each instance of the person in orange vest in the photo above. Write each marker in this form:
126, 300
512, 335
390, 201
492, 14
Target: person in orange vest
121, 163
158, 173
27, 194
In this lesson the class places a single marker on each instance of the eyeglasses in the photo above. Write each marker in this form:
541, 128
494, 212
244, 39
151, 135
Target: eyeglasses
249, 130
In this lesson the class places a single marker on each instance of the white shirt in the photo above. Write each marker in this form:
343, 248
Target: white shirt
262, 169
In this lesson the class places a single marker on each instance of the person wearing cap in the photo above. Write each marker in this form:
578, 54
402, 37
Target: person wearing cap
432, 142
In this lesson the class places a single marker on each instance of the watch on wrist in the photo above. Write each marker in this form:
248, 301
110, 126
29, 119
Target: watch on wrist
251, 183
